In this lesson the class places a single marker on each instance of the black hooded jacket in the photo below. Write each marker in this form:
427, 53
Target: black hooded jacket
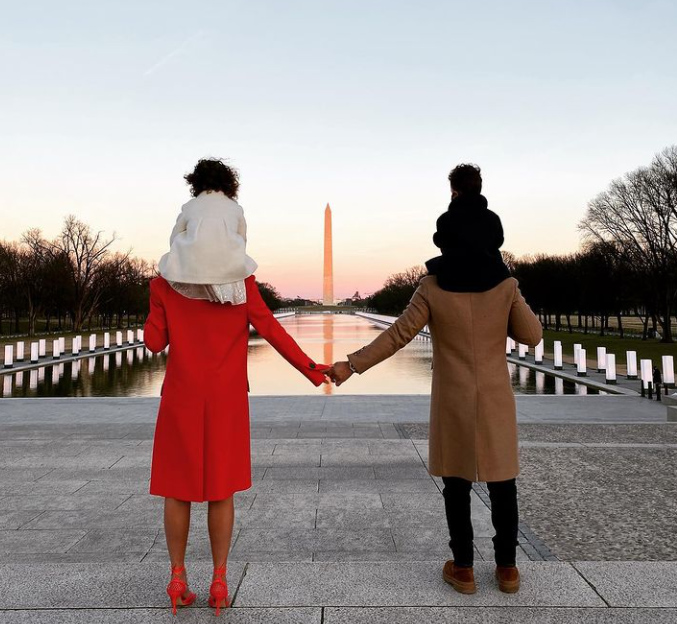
469, 236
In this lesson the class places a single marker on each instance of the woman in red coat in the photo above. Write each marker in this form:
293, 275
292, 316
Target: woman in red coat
201, 450
201, 447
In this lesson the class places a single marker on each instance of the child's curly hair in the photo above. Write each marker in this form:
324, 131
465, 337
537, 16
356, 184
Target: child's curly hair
212, 174
466, 178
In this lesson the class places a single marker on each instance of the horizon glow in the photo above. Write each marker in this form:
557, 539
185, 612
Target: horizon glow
365, 106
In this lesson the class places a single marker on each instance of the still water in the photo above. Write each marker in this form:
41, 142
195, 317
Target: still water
324, 337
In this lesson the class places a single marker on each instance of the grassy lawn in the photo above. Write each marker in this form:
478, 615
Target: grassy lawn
631, 324
646, 349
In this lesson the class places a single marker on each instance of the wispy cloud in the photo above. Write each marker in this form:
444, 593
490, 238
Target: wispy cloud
165, 59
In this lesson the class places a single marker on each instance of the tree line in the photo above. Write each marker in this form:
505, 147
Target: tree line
76, 282
593, 290
70, 283
626, 267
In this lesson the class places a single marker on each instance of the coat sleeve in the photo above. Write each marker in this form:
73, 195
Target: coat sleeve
155, 333
242, 228
181, 225
401, 332
523, 325
269, 327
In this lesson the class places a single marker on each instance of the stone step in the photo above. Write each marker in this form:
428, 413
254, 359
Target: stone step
351, 584
348, 615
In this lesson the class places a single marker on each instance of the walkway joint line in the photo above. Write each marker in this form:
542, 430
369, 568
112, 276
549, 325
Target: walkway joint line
237, 589
592, 586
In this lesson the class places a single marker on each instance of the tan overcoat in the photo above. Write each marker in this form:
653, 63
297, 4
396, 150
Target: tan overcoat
473, 425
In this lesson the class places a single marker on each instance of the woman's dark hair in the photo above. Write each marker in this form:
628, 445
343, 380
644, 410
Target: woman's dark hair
466, 178
212, 174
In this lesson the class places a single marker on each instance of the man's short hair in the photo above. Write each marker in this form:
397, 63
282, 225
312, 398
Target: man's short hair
466, 178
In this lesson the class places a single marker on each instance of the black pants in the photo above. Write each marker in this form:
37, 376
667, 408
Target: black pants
504, 517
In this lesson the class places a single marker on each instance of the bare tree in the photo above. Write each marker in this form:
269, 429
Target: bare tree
397, 291
638, 214
123, 289
71, 278
509, 259
10, 282
87, 254
409, 278
43, 277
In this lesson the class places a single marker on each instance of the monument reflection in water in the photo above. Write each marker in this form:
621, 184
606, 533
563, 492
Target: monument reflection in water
324, 337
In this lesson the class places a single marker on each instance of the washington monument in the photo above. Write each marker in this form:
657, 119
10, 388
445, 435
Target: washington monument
328, 293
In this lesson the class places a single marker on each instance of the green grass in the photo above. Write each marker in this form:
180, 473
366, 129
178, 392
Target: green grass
646, 349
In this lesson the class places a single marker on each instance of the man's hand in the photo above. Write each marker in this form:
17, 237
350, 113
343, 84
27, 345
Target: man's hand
324, 369
339, 372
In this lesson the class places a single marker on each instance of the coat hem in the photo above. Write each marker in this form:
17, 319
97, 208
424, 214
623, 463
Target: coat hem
201, 500
478, 478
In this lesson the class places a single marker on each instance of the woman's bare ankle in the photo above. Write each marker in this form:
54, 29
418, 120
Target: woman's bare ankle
222, 564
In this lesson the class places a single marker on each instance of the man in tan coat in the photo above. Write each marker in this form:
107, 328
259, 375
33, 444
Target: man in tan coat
471, 306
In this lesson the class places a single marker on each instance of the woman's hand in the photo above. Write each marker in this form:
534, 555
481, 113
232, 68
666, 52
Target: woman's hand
339, 372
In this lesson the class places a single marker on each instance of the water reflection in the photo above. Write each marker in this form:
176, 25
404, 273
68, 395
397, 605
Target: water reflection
324, 337
328, 335
527, 381
139, 373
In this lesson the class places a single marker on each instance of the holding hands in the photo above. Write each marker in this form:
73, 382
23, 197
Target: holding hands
339, 372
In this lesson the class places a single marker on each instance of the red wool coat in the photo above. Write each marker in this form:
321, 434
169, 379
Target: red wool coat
201, 449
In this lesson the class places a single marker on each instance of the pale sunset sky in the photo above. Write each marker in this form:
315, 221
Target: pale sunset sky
366, 105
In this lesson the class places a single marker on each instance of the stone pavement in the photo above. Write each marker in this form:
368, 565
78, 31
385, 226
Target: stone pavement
343, 522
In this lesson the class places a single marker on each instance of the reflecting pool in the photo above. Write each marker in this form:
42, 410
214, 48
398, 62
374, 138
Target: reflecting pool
324, 337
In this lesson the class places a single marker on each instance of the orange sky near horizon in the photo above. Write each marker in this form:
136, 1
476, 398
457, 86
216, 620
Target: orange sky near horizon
368, 247
107, 105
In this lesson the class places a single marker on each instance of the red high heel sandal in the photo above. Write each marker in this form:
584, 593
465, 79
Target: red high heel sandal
218, 592
177, 588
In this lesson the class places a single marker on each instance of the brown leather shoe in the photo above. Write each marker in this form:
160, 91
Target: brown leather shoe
508, 579
461, 579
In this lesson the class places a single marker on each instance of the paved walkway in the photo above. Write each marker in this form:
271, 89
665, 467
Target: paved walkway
343, 522
316, 411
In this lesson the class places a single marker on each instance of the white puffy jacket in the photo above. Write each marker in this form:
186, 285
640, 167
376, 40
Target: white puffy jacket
208, 243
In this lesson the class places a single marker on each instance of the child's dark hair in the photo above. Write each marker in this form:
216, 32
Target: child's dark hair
212, 174
466, 178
